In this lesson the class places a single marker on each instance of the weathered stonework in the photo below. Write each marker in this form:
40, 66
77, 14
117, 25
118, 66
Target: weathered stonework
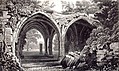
58, 22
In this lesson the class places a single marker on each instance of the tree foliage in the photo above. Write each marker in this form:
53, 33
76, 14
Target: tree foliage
80, 6
67, 7
104, 35
32, 36
99, 35
108, 14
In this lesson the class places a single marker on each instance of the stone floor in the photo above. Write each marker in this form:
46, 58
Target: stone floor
43, 66
48, 66
45, 69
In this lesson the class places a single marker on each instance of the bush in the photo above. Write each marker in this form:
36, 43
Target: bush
10, 62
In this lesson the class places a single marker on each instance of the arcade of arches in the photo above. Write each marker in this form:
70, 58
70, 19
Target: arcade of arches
54, 44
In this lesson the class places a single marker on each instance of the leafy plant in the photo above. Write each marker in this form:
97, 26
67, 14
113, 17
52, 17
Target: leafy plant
108, 13
10, 62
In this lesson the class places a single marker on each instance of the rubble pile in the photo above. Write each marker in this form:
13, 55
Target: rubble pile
99, 59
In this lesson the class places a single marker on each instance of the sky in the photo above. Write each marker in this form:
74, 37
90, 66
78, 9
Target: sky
58, 5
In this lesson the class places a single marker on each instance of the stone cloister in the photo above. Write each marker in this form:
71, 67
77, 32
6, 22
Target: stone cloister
72, 31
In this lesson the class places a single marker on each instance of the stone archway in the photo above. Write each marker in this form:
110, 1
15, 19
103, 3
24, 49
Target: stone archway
76, 35
43, 24
34, 45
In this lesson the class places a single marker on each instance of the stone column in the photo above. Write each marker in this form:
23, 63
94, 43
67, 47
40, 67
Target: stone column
62, 41
41, 47
50, 45
13, 43
46, 52
0, 54
59, 46
17, 50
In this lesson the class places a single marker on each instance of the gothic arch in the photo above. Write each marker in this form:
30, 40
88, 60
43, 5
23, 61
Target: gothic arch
89, 20
40, 21
81, 27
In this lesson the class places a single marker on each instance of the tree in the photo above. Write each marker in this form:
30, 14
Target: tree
33, 35
86, 7
78, 7
67, 7
99, 35
108, 33
108, 14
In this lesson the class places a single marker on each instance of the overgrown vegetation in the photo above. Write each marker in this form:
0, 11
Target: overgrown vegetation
10, 62
108, 13
18, 9
106, 34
